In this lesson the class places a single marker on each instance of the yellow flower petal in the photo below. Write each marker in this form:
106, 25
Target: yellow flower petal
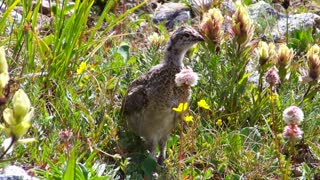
219, 122
188, 118
203, 104
181, 108
82, 67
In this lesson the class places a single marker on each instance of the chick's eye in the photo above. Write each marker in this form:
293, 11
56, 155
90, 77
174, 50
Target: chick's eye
187, 35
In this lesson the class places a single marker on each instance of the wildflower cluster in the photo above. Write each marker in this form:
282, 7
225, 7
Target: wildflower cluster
182, 107
293, 116
18, 119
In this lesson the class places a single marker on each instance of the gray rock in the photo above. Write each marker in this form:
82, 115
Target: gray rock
262, 10
16, 173
171, 14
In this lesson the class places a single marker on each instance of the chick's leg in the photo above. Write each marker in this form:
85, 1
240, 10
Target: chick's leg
162, 145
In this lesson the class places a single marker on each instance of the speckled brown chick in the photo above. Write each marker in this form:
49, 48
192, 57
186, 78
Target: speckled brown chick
150, 98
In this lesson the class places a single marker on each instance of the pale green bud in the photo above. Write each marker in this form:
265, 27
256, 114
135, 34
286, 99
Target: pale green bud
21, 105
21, 129
263, 50
4, 79
8, 117
3, 62
285, 55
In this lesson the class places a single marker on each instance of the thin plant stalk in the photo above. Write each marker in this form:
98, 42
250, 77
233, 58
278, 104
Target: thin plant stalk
180, 150
292, 149
287, 24
274, 129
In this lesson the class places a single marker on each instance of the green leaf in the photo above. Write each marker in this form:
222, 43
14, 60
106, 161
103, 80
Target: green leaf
251, 137
149, 166
71, 167
123, 50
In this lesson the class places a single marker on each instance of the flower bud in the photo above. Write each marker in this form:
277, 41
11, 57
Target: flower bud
4, 79
313, 57
263, 51
272, 76
211, 24
242, 28
3, 61
8, 117
272, 52
284, 55
21, 105
156, 39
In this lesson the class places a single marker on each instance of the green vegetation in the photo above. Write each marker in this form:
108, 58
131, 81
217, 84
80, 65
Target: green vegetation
76, 75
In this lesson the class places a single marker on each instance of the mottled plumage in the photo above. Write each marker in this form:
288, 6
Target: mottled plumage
150, 98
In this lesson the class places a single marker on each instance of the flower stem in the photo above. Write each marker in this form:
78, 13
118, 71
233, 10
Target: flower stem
274, 129
9, 147
180, 150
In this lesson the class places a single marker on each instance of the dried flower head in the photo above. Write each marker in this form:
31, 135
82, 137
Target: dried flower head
186, 77
292, 131
242, 27
313, 57
272, 76
211, 24
284, 55
293, 115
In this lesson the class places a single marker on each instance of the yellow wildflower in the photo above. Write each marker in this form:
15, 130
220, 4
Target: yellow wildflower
202, 103
181, 108
219, 122
81, 68
188, 118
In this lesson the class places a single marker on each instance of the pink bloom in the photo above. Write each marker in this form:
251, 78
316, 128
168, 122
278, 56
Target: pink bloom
293, 115
186, 77
272, 76
292, 132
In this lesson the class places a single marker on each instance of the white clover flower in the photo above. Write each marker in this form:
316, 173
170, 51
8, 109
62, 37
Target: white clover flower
186, 77
293, 115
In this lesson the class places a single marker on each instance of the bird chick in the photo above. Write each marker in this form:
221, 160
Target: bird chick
150, 98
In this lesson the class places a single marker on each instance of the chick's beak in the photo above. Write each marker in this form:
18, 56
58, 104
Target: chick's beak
199, 38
